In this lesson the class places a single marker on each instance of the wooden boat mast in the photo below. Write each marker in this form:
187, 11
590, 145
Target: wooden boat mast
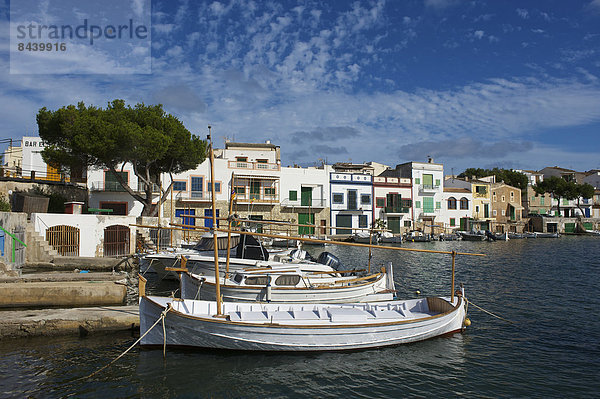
214, 224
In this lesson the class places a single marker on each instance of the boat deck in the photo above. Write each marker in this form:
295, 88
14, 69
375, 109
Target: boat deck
308, 313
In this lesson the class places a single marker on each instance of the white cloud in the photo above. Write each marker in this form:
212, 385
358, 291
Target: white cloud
523, 13
478, 34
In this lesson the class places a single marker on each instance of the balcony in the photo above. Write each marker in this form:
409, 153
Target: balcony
391, 210
193, 196
314, 203
429, 188
253, 165
248, 198
111, 186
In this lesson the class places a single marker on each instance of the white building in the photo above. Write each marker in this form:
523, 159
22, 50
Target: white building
304, 194
456, 208
427, 190
351, 201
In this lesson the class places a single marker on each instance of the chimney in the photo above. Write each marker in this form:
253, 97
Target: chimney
429, 159
267, 141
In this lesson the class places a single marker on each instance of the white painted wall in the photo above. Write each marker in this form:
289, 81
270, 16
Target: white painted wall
457, 214
341, 183
91, 229
293, 179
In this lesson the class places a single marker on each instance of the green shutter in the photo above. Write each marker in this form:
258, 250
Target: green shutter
293, 195
417, 180
437, 182
418, 204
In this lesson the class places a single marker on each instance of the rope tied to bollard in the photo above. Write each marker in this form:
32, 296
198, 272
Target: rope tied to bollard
162, 317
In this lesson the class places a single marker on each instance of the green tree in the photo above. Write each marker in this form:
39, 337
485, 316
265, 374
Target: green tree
556, 186
152, 141
585, 191
510, 177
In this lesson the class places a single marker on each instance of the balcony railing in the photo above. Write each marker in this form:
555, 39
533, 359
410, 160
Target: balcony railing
396, 209
429, 187
314, 203
253, 165
106, 186
257, 198
193, 195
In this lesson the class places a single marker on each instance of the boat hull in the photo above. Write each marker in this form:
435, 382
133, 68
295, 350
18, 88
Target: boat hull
196, 288
184, 328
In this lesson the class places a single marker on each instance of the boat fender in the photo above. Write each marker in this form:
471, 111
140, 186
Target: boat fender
467, 322
268, 296
417, 292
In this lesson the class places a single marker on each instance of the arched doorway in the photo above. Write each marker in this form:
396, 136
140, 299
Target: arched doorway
116, 240
64, 239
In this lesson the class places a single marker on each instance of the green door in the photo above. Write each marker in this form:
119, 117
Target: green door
512, 213
464, 224
254, 190
428, 204
343, 221
306, 218
306, 196
569, 227
486, 211
393, 224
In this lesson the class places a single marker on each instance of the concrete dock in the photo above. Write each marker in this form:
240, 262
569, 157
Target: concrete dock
74, 321
66, 303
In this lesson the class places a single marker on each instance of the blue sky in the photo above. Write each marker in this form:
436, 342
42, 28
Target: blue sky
470, 83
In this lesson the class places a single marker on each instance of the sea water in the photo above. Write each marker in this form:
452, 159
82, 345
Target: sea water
546, 288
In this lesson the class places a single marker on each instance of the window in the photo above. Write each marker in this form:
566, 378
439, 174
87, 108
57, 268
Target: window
482, 190
262, 161
542, 200
380, 202
259, 280
111, 182
197, 183
365, 199
438, 205
437, 182
464, 203
417, 180
269, 190
179, 185
451, 203
241, 159
352, 200
533, 198
418, 204
503, 212
338, 198
362, 221
290, 280
565, 201
217, 186
504, 198
512, 195
293, 195
452, 222
494, 212
240, 189
407, 223
476, 208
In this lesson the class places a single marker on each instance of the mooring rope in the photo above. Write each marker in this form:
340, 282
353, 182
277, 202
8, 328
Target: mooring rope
162, 317
488, 312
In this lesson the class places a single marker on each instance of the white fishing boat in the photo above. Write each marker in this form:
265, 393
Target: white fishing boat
365, 237
291, 284
297, 327
389, 238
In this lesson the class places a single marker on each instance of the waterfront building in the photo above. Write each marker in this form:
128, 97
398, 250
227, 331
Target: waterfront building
427, 191
12, 160
393, 202
480, 217
304, 198
507, 208
456, 207
351, 198
532, 202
